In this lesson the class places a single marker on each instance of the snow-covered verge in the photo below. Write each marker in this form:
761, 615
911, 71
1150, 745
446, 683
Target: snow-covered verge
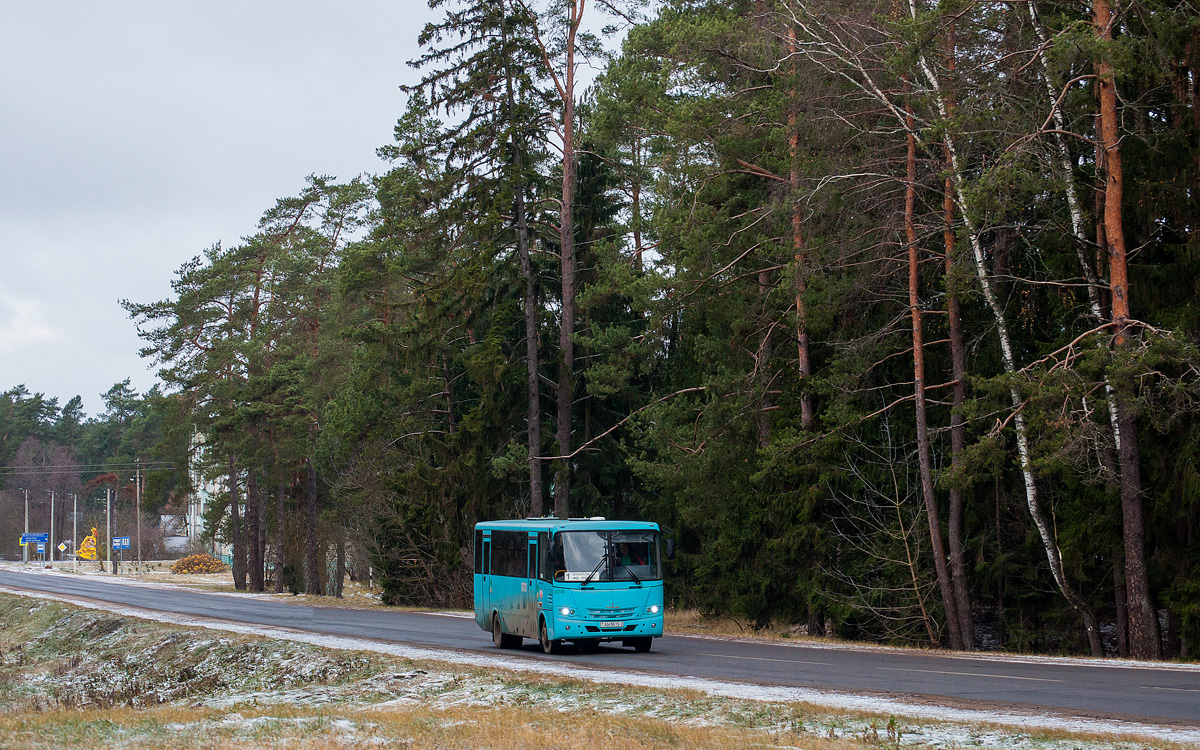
71, 673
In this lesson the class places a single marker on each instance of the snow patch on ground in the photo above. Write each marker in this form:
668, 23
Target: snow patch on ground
449, 689
1066, 661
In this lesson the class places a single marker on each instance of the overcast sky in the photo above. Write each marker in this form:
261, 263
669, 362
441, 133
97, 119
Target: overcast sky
134, 134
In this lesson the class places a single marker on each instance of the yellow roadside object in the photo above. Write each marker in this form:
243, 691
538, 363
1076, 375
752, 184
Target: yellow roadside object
87, 550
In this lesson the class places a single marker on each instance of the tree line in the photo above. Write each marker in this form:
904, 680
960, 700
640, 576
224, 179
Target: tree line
49, 448
886, 309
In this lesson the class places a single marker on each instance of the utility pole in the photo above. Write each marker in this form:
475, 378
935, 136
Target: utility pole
108, 523
25, 547
51, 542
75, 535
138, 503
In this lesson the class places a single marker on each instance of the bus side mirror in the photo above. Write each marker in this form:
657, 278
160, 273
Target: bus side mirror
670, 549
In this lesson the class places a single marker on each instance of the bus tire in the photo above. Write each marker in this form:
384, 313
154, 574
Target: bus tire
640, 645
500, 638
548, 646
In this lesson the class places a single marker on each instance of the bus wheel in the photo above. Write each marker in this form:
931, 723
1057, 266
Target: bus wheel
640, 645
502, 639
548, 646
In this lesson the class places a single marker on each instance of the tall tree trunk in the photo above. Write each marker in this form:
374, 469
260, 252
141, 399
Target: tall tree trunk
823, 43
533, 416
1144, 640
1094, 289
804, 353
239, 537
1092, 276
340, 575
312, 547
958, 368
1066, 168
1053, 555
762, 364
566, 236
924, 463
447, 382
1098, 201
636, 202
280, 529
1121, 600
254, 531
958, 441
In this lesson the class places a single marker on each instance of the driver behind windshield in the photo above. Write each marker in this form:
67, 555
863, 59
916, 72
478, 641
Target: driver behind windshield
628, 556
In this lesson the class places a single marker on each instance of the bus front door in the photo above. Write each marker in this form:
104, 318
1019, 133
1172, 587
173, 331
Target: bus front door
485, 588
529, 587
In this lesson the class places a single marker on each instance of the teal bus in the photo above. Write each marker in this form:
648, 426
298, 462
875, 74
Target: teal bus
583, 580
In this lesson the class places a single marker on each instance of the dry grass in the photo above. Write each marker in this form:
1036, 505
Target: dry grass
691, 621
412, 727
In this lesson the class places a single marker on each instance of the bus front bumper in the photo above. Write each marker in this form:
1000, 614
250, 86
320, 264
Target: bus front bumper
578, 629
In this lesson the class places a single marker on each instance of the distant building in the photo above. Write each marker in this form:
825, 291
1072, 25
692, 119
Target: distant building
174, 530
204, 492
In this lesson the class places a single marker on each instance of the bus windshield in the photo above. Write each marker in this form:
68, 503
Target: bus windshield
579, 556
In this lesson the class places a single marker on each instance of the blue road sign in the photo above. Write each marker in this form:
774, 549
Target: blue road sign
41, 548
120, 542
35, 538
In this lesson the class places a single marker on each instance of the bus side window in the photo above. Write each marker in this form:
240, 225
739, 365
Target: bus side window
510, 555
555, 563
499, 554
478, 551
519, 554
545, 570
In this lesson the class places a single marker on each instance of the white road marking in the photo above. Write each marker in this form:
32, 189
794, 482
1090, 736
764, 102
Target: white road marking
761, 658
969, 674
1181, 690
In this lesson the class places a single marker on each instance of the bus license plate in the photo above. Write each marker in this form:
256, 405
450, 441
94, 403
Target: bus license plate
613, 624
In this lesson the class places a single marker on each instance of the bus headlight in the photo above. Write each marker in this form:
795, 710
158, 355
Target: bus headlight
564, 611
653, 609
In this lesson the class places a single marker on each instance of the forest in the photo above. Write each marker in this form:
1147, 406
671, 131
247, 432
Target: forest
885, 311
55, 455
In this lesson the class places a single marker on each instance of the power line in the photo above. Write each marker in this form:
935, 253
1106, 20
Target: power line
66, 472
35, 471
83, 466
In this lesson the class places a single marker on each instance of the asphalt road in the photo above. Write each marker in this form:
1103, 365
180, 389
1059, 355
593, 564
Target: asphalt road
1162, 696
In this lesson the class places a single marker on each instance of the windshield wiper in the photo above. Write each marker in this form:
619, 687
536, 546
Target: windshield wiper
632, 575
595, 570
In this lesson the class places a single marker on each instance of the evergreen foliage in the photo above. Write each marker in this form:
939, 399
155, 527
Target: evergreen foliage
384, 358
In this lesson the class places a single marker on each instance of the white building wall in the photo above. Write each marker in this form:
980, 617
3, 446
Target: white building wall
203, 493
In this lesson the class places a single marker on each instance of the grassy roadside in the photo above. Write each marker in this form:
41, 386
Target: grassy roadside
79, 677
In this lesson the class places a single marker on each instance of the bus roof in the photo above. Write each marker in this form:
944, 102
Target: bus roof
560, 524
